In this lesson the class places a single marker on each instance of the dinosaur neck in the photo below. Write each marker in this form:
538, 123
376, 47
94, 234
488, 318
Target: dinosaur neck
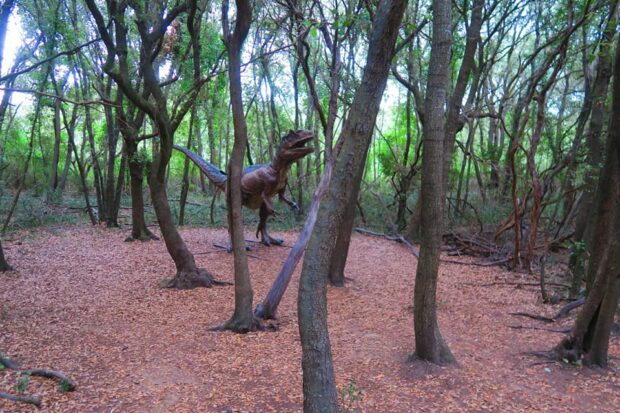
280, 164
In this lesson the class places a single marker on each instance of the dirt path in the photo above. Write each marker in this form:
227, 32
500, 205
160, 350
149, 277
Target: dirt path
86, 303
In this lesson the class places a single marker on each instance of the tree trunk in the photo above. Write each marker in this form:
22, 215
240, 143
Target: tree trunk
108, 214
22, 181
268, 308
65, 170
139, 230
5, 13
585, 225
70, 127
338, 260
53, 182
318, 377
4, 265
243, 319
429, 344
97, 175
185, 180
589, 338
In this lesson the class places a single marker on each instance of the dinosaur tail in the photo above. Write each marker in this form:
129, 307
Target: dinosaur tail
217, 177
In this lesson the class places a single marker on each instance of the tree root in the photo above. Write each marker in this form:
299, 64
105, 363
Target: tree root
191, 279
240, 326
534, 316
243, 326
397, 238
563, 312
9, 364
143, 236
36, 400
564, 331
66, 383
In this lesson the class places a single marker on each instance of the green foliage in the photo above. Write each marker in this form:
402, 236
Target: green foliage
350, 395
34, 211
22, 383
64, 386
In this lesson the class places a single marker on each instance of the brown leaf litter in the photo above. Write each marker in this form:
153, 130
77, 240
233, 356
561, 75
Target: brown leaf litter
84, 302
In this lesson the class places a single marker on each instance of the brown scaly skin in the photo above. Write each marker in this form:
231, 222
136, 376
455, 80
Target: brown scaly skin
260, 183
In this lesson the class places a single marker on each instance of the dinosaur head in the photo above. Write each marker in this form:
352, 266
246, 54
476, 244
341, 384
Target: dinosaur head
293, 145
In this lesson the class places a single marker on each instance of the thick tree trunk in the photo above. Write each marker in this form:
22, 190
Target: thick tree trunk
429, 344
338, 260
589, 338
188, 275
585, 225
318, 377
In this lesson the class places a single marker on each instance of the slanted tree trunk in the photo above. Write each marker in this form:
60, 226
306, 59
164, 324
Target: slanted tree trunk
243, 319
185, 180
589, 338
318, 377
429, 344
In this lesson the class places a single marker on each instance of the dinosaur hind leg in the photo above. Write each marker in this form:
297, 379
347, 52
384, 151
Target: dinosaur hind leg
262, 228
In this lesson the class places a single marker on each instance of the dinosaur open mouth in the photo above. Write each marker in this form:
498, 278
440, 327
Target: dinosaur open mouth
300, 145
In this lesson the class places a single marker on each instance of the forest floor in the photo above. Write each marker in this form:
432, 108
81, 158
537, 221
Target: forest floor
84, 302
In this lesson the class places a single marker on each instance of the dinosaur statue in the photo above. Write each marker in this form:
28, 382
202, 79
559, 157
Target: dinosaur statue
261, 182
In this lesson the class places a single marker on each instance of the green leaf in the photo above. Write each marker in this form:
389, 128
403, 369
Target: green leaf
22, 383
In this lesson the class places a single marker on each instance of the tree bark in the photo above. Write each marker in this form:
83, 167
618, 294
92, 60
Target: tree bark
139, 230
429, 344
318, 376
586, 228
185, 179
154, 102
53, 182
4, 265
589, 338
243, 319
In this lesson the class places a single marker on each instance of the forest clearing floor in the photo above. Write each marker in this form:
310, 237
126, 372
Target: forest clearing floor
84, 302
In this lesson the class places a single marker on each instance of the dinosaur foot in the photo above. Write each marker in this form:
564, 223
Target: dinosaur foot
229, 249
269, 241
